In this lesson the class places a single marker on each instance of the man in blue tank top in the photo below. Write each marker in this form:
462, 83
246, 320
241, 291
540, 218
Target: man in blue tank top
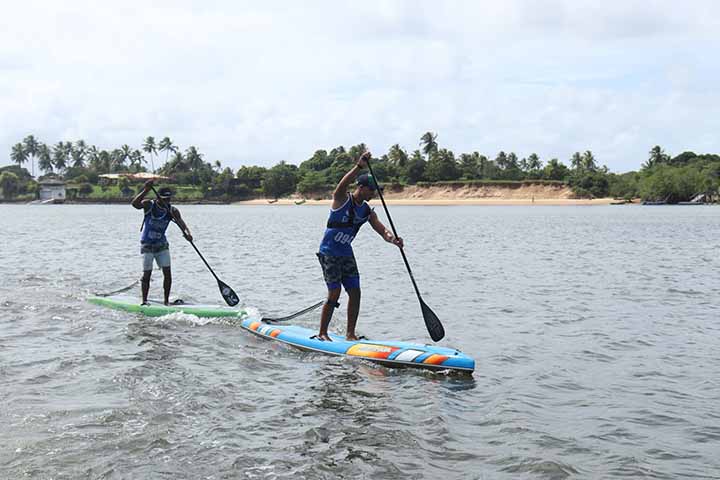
348, 213
154, 245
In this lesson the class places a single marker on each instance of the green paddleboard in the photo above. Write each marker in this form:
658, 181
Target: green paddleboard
130, 303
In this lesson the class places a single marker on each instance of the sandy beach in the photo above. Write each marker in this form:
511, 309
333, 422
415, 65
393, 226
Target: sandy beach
528, 194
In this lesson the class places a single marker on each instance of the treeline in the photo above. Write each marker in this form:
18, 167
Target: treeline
661, 177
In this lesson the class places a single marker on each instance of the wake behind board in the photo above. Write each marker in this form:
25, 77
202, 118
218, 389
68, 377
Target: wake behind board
156, 308
388, 353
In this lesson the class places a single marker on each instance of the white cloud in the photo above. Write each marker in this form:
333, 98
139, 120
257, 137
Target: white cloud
259, 84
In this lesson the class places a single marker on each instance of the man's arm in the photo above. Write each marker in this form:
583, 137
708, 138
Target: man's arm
139, 200
386, 234
340, 192
181, 223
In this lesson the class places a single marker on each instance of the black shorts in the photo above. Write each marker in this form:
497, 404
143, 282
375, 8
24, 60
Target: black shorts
339, 271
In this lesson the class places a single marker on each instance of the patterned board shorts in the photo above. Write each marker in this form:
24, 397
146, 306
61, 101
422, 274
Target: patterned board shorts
339, 271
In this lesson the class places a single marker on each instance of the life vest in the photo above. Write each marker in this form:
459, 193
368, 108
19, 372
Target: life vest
342, 226
155, 224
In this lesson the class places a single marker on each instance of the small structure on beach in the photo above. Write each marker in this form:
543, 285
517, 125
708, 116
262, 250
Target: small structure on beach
51, 191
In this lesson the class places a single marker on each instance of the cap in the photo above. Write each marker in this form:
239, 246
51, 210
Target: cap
368, 180
165, 192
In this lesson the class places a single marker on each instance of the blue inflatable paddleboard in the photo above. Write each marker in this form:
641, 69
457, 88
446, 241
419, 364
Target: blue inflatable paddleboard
388, 353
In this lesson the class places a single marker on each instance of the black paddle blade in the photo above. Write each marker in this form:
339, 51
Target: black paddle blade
432, 322
228, 294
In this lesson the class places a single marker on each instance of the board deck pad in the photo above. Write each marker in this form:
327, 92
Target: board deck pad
131, 303
388, 353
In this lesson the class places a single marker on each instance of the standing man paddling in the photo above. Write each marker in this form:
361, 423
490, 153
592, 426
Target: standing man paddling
348, 213
153, 242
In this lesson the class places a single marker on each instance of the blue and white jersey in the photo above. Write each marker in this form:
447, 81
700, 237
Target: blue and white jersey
342, 226
155, 224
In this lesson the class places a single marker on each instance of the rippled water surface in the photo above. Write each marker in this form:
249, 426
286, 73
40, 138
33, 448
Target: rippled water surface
594, 330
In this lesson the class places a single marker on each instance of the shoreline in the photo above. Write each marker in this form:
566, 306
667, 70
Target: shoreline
445, 202
390, 201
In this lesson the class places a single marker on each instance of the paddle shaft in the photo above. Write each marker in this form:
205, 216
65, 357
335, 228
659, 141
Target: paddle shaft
392, 226
203, 259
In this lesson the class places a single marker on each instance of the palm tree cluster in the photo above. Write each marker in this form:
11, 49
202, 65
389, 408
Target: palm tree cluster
64, 155
428, 163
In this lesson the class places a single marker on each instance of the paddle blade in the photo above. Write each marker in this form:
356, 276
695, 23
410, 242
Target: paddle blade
432, 322
228, 294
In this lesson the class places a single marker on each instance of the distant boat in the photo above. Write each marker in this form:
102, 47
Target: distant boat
696, 200
272, 201
656, 202
300, 202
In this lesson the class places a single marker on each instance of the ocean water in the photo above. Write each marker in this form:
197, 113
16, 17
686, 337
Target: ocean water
595, 330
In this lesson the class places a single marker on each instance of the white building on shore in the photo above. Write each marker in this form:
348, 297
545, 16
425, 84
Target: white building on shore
52, 191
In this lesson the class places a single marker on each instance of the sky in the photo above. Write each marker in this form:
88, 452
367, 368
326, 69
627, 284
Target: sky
256, 83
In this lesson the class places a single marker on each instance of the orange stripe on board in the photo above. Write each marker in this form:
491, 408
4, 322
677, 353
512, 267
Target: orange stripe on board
275, 332
435, 359
370, 351
254, 325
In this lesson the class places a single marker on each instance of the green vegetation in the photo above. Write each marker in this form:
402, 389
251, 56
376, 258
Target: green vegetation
82, 166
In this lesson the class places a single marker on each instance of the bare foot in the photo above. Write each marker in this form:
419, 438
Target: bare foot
325, 337
351, 338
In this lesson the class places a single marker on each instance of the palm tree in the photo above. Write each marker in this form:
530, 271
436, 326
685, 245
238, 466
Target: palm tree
78, 154
18, 154
398, 156
469, 165
588, 161
483, 163
523, 165
104, 161
576, 161
125, 153
167, 146
657, 157
194, 161
93, 157
68, 146
45, 163
429, 144
117, 160
193, 158
502, 160
177, 163
59, 156
31, 149
150, 147
218, 166
533, 162
136, 160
